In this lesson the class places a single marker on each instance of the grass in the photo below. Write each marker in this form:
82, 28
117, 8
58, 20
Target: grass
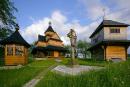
89, 62
18, 77
114, 75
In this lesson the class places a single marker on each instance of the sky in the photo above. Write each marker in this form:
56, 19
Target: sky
81, 15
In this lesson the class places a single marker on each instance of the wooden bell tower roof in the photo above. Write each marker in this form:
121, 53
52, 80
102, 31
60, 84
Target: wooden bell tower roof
108, 23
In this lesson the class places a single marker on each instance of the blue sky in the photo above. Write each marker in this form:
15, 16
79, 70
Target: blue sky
82, 15
38, 9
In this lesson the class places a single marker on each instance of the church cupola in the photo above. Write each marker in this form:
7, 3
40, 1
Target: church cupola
49, 32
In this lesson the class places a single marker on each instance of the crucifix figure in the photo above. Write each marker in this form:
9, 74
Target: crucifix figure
73, 38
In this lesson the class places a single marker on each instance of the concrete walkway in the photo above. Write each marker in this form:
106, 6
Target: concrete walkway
11, 67
78, 69
35, 80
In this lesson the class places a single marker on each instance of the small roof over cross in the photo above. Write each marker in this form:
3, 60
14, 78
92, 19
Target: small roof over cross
16, 27
49, 23
49, 29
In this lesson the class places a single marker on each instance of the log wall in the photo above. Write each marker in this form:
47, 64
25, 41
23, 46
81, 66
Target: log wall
116, 52
16, 59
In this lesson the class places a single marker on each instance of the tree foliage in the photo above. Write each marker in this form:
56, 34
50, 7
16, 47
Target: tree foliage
68, 50
7, 10
7, 20
4, 32
82, 47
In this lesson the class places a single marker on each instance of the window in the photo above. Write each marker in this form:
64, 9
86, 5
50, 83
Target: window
9, 50
114, 30
18, 50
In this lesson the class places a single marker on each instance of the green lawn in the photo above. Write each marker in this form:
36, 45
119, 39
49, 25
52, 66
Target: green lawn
18, 77
87, 62
114, 75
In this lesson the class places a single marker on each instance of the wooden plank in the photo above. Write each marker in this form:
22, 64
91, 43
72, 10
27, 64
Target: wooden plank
115, 52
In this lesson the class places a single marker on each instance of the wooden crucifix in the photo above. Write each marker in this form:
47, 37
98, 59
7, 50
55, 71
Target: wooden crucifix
73, 38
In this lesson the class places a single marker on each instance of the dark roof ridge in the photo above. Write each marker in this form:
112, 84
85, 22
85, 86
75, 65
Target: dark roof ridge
56, 39
108, 23
49, 29
15, 38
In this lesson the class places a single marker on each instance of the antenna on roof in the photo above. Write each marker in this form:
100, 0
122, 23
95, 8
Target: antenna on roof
104, 14
49, 23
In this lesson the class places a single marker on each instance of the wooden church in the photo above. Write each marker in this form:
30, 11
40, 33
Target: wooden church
109, 41
16, 49
49, 46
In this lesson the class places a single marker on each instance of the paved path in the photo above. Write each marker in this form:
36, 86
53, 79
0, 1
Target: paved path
11, 67
35, 80
78, 69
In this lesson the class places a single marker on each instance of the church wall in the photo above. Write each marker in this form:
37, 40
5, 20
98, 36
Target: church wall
55, 36
41, 43
55, 43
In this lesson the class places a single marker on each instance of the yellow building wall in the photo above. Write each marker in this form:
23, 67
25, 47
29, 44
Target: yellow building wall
41, 43
55, 36
55, 43
115, 52
56, 54
49, 34
16, 60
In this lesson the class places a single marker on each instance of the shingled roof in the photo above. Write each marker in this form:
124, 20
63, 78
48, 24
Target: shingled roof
110, 42
49, 29
48, 48
55, 48
41, 38
15, 38
108, 23
56, 39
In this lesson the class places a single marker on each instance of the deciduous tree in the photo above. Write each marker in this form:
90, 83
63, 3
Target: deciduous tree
82, 47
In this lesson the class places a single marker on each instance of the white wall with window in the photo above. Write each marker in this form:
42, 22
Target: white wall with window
115, 33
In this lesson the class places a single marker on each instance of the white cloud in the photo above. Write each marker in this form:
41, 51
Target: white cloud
94, 8
60, 25
58, 17
31, 32
114, 10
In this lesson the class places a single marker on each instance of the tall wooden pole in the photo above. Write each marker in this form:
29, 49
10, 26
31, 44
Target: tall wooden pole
73, 55
73, 37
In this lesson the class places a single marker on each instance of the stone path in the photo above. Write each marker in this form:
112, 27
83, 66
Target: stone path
11, 67
75, 70
35, 80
